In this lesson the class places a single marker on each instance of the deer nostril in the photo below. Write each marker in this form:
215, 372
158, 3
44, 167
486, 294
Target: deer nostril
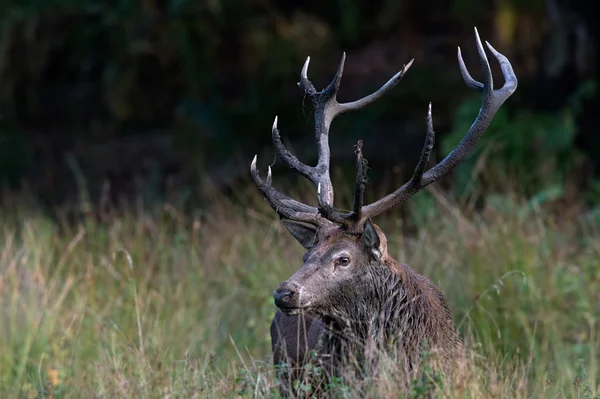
283, 297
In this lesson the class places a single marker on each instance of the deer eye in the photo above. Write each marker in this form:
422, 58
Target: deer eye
343, 261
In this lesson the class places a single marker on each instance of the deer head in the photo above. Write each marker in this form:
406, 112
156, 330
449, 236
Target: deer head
346, 258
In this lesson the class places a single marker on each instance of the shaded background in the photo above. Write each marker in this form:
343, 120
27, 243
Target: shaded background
124, 98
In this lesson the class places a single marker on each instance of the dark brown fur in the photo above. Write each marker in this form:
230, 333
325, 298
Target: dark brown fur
397, 325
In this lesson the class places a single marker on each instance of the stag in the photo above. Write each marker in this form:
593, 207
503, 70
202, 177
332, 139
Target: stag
350, 291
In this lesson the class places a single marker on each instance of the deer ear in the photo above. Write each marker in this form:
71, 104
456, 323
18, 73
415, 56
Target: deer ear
305, 234
371, 239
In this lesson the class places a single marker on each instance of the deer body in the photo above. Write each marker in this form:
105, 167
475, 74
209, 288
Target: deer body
351, 302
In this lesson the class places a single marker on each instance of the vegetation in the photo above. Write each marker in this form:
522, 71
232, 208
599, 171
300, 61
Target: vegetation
154, 303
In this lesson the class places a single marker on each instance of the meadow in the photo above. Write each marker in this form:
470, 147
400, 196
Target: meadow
172, 302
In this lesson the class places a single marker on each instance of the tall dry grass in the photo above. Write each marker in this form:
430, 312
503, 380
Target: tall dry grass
161, 303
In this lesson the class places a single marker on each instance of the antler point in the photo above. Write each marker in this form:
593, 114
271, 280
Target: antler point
477, 38
304, 73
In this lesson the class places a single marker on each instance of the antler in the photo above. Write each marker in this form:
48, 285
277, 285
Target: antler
326, 108
491, 102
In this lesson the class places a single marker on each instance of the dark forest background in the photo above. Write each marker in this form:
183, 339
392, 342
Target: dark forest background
124, 98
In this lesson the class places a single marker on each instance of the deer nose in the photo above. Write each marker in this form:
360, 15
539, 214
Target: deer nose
285, 296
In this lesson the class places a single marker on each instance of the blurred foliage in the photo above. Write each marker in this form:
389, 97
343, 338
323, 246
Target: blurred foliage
210, 76
536, 149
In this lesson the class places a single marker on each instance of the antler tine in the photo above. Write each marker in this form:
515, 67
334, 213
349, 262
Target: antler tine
488, 80
426, 152
491, 102
304, 82
358, 104
285, 206
334, 86
361, 182
510, 79
472, 83
287, 157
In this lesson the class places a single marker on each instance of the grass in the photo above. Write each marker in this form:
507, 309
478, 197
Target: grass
165, 303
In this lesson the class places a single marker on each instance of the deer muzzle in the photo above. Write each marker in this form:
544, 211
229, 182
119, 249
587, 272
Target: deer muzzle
287, 297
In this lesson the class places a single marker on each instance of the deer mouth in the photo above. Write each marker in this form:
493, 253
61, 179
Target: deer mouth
293, 308
290, 311
295, 311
